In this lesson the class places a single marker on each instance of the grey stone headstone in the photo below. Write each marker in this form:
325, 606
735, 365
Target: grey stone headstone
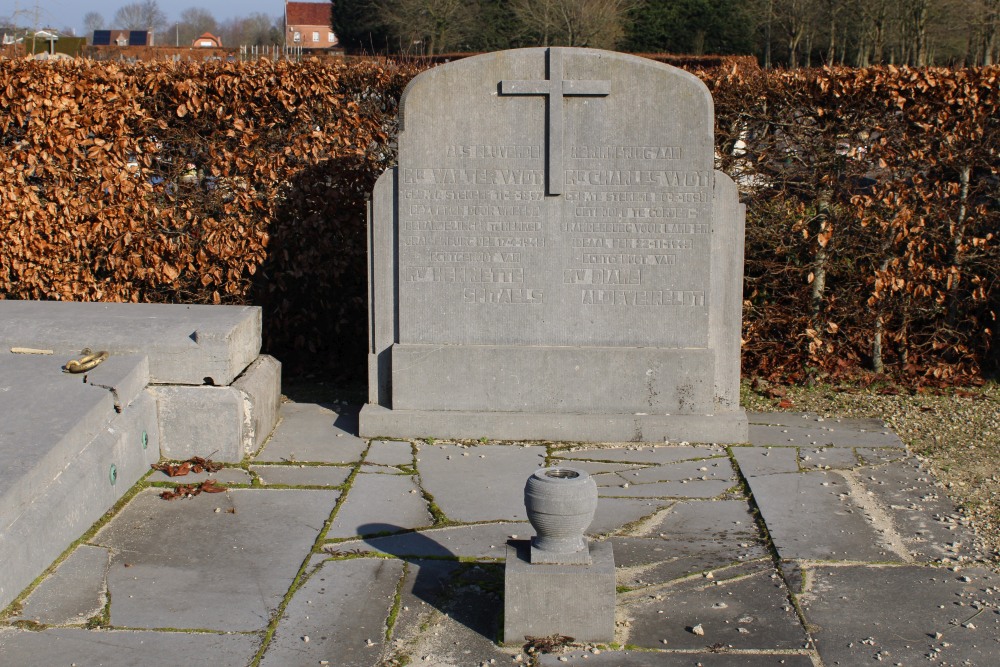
554, 241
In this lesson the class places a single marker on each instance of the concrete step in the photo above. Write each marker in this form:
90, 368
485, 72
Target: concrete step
70, 447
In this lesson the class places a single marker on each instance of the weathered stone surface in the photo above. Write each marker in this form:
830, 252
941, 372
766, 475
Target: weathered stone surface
605, 658
260, 386
541, 600
185, 343
826, 458
903, 615
486, 540
314, 433
876, 456
455, 476
390, 453
822, 434
614, 513
338, 615
125, 648
173, 562
750, 611
293, 475
203, 421
517, 276
756, 461
813, 516
222, 476
74, 592
380, 504
681, 489
659, 455
716, 469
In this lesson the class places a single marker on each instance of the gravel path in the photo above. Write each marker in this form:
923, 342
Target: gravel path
957, 432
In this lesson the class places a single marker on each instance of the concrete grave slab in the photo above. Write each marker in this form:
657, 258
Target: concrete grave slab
903, 615
338, 615
184, 343
751, 611
293, 475
380, 503
606, 658
73, 593
453, 475
651, 455
260, 385
818, 516
167, 572
60, 471
125, 648
390, 453
314, 433
481, 541
536, 308
756, 461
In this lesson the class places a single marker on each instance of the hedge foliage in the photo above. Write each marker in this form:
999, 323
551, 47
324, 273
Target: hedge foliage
872, 198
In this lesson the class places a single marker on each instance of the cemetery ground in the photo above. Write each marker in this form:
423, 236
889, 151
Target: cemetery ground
329, 549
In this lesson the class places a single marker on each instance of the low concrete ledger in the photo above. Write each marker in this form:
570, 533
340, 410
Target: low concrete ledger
554, 256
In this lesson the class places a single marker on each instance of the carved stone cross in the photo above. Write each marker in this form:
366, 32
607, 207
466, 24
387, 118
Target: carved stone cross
555, 88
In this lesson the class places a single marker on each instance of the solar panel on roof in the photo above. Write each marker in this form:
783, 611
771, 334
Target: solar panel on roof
137, 38
102, 38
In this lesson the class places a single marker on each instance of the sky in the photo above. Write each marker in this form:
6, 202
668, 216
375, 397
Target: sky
61, 14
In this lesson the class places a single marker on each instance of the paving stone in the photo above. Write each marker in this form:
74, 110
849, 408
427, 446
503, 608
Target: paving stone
877, 456
756, 461
644, 562
481, 483
811, 418
379, 504
893, 614
720, 520
222, 476
381, 470
702, 470
595, 467
74, 592
450, 615
921, 512
669, 659
649, 454
125, 648
314, 433
822, 435
292, 475
390, 453
181, 564
487, 540
823, 458
811, 516
748, 612
682, 489
613, 513
338, 615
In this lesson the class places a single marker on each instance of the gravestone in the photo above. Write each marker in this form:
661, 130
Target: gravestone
554, 256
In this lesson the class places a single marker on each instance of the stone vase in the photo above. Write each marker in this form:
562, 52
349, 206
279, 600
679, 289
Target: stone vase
560, 503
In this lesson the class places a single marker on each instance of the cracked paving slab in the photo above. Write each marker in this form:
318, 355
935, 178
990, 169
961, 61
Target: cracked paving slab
605, 658
480, 483
315, 434
73, 593
903, 615
175, 562
378, 503
488, 540
338, 615
657, 455
125, 648
745, 607
757, 461
293, 475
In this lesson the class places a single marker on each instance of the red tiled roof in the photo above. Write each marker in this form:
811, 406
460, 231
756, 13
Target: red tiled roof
307, 13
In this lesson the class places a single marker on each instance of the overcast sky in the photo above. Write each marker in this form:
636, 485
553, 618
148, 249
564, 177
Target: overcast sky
60, 14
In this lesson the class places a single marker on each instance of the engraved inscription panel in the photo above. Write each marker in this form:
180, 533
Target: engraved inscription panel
616, 253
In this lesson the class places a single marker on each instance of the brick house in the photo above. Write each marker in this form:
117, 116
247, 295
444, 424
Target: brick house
307, 24
207, 41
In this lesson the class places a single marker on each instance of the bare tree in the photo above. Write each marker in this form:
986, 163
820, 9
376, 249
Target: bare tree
144, 15
93, 21
434, 26
258, 29
594, 23
195, 22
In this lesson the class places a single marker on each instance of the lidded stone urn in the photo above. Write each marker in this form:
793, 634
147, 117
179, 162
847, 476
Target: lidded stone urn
560, 503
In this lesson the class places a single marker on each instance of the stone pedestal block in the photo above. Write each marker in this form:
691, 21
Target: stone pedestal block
573, 600
224, 423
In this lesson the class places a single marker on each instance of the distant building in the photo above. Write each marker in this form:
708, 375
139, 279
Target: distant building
122, 38
307, 24
207, 41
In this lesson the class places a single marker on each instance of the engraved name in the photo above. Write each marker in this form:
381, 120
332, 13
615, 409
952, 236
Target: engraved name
701, 179
607, 297
474, 176
602, 276
501, 295
453, 274
627, 152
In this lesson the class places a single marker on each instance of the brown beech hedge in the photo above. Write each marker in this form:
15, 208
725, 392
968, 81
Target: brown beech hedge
873, 201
